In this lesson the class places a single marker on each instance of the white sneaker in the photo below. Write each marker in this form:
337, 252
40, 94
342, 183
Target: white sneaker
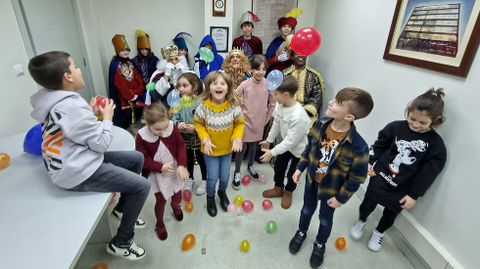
356, 231
133, 253
236, 181
202, 188
188, 185
139, 224
375, 242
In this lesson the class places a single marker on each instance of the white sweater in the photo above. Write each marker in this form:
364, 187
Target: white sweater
292, 124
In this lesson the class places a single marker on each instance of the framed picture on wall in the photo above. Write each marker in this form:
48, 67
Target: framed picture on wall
219, 8
435, 34
220, 36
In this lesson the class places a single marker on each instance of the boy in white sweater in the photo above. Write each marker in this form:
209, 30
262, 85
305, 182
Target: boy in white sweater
292, 123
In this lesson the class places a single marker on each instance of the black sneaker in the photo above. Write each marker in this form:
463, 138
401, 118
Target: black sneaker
236, 181
133, 252
317, 255
211, 206
252, 172
296, 242
139, 223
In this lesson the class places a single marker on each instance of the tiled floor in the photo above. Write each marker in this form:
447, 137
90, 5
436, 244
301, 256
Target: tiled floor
221, 237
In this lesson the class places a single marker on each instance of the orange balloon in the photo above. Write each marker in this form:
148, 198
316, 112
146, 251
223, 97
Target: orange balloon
340, 243
4, 160
189, 207
100, 265
188, 242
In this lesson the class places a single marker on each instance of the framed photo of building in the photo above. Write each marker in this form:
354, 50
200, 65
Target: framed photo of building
440, 35
220, 36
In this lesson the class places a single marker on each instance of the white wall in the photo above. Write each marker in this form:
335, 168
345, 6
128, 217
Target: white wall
354, 36
16, 91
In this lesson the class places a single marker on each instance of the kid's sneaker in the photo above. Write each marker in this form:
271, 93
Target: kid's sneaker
236, 181
188, 185
252, 172
139, 224
202, 188
375, 242
133, 252
356, 231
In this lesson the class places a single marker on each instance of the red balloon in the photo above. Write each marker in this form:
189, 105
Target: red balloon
245, 180
100, 101
305, 41
187, 195
267, 204
247, 206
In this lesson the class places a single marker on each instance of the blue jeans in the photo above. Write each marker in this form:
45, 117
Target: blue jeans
218, 167
310, 202
120, 172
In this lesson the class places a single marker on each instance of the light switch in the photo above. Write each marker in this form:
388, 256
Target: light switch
18, 68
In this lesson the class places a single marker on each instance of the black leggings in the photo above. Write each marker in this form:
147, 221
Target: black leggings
252, 147
191, 153
388, 217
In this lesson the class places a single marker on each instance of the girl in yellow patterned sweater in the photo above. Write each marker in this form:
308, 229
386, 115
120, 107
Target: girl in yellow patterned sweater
219, 123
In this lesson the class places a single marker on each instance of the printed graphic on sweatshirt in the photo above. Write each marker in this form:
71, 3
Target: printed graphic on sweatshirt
327, 150
52, 143
405, 150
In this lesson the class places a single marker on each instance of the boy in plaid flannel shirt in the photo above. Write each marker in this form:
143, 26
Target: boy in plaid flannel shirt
336, 159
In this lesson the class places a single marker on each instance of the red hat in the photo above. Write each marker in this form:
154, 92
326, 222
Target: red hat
290, 21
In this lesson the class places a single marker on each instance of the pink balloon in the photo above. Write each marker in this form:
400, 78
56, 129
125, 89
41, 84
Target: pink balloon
245, 180
187, 195
267, 204
263, 178
232, 208
247, 206
305, 41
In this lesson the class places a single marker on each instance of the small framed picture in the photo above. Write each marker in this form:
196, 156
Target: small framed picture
220, 36
219, 8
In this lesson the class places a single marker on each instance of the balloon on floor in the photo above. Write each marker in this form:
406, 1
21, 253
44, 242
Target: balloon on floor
4, 160
33, 141
188, 242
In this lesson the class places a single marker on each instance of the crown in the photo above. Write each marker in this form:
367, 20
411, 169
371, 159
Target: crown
169, 52
236, 50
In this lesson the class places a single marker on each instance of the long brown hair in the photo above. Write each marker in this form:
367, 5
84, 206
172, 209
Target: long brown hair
231, 97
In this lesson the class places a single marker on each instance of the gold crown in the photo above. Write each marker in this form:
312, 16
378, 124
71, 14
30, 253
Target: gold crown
169, 52
236, 50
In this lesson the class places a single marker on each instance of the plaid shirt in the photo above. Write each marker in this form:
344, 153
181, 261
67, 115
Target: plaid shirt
347, 169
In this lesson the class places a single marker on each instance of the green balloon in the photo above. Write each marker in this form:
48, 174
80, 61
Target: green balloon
271, 227
187, 101
151, 86
206, 54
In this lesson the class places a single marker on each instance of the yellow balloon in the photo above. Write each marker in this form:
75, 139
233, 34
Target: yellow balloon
4, 160
245, 246
238, 200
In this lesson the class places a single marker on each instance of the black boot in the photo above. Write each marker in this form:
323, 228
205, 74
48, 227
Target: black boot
211, 206
223, 200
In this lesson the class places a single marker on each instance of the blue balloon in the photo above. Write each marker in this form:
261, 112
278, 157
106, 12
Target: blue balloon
33, 141
173, 98
274, 79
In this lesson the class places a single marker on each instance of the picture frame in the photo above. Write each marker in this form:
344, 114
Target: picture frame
219, 8
439, 35
220, 36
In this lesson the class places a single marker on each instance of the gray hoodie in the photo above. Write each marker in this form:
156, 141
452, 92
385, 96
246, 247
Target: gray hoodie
73, 140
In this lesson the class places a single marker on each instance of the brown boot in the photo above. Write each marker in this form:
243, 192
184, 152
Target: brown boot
286, 199
275, 192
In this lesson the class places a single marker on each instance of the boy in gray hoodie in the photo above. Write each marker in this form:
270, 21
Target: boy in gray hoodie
75, 146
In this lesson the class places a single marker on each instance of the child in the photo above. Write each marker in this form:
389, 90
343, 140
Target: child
336, 160
145, 61
257, 107
219, 124
75, 146
249, 43
190, 86
164, 151
201, 67
404, 161
126, 86
291, 122
277, 53
180, 40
